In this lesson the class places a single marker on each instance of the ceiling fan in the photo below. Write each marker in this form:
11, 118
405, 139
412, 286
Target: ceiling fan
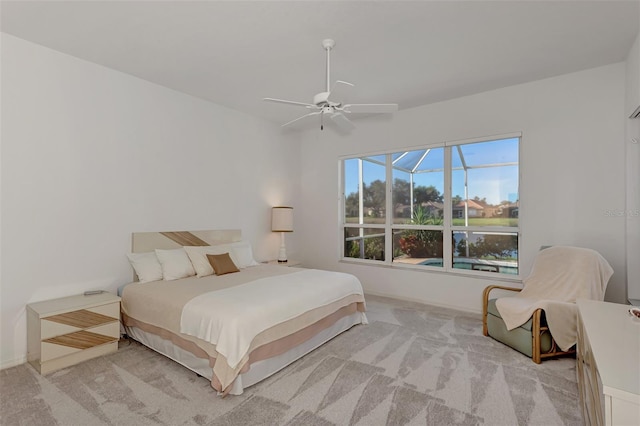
330, 102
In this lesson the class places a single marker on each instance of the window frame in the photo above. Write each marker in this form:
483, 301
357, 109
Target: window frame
447, 228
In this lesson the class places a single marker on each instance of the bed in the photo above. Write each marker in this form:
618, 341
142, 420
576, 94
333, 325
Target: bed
238, 328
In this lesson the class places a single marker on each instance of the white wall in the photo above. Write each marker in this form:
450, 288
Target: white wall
632, 100
572, 169
632, 208
90, 155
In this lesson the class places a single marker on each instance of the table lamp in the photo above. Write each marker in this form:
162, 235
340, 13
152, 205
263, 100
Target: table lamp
282, 221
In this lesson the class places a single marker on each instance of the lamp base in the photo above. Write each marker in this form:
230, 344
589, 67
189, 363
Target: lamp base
282, 254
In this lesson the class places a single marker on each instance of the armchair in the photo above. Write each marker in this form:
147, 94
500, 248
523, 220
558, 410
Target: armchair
531, 338
540, 321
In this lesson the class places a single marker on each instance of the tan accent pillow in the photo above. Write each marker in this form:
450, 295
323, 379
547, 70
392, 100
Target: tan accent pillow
222, 263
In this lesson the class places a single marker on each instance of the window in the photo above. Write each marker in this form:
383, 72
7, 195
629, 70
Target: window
453, 206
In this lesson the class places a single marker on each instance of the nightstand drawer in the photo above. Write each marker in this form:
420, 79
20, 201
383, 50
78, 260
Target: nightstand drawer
111, 310
111, 330
81, 319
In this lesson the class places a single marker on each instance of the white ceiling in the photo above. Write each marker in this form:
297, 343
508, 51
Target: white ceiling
234, 53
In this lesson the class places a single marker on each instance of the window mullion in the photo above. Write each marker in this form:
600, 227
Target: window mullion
361, 206
342, 215
360, 192
447, 249
388, 240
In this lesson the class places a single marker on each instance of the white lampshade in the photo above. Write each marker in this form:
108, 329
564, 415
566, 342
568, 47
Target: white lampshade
282, 219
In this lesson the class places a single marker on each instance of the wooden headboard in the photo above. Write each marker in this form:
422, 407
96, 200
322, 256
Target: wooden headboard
148, 241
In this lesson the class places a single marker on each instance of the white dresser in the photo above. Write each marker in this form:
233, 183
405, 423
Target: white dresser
608, 364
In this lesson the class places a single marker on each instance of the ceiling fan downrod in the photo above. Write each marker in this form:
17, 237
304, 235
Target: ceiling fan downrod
328, 44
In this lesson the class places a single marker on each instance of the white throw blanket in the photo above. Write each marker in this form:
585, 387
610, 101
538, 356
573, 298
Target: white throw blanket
231, 318
560, 276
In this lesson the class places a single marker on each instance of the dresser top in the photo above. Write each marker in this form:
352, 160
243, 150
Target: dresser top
614, 337
65, 304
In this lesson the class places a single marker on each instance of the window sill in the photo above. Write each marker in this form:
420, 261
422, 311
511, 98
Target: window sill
433, 270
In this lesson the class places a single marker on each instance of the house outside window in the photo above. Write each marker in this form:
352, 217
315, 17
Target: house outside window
448, 207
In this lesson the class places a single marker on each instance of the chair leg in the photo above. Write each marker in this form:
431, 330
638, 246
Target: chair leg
535, 331
485, 329
485, 302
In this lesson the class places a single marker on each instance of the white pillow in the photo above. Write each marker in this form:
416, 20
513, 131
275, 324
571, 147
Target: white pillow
146, 265
175, 264
243, 254
198, 256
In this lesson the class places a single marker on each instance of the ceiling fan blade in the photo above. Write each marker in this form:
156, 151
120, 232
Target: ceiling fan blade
371, 108
300, 118
342, 122
340, 91
283, 101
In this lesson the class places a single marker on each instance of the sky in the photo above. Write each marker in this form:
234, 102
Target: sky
496, 184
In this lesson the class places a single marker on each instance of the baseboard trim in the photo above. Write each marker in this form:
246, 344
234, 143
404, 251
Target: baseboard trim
424, 302
12, 363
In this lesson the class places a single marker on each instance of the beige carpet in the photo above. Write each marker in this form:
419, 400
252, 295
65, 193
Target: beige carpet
412, 365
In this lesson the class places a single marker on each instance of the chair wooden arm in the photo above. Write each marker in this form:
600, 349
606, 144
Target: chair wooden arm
485, 302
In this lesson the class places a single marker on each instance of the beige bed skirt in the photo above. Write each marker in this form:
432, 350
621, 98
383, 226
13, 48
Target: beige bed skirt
260, 352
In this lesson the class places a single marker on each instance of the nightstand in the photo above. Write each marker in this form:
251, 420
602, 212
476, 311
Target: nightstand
63, 332
289, 263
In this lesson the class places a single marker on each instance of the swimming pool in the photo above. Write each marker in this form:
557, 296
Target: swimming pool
502, 267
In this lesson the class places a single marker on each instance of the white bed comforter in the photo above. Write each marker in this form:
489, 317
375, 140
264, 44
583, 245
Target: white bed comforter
232, 317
